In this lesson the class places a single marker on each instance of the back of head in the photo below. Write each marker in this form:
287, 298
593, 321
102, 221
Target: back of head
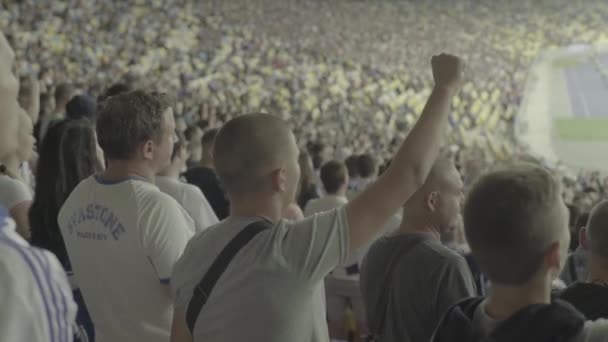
512, 216
67, 156
333, 176
352, 164
81, 107
63, 93
115, 89
597, 230
367, 166
248, 147
127, 120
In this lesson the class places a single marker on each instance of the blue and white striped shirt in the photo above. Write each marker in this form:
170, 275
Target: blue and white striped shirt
36, 299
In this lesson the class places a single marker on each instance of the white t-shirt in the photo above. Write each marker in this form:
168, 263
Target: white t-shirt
273, 289
13, 192
35, 297
123, 239
325, 203
191, 198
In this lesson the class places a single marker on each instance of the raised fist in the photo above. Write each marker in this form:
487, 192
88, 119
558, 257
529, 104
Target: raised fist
447, 70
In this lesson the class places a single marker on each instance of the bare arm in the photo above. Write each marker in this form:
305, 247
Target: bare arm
368, 212
179, 329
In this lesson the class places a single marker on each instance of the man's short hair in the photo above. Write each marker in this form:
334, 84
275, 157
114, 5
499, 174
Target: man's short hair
247, 147
511, 216
333, 176
63, 92
115, 89
352, 164
367, 166
129, 119
597, 230
208, 138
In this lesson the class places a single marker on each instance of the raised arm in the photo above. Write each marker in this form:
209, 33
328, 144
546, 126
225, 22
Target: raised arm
368, 212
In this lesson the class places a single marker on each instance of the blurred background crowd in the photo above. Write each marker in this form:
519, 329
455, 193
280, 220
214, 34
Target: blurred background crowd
350, 76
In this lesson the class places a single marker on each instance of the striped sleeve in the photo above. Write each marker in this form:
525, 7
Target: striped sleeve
37, 301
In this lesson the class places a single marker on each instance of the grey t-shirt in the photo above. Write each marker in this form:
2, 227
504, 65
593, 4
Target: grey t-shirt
593, 331
408, 282
273, 289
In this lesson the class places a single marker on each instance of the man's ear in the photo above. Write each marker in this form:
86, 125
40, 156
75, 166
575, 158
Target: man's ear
147, 150
552, 258
583, 241
279, 180
431, 200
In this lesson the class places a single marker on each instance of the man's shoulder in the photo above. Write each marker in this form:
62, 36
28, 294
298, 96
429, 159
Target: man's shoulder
595, 331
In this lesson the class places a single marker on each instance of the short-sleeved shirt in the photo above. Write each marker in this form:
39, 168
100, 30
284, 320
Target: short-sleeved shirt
35, 296
13, 192
273, 289
191, 199
408, 282
123, 239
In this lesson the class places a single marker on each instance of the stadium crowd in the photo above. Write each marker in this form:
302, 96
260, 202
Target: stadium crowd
367, 204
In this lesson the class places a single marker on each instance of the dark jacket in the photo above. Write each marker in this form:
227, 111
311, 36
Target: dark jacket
555, 322
590, 299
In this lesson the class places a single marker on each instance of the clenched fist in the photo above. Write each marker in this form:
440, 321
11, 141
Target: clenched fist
447, 71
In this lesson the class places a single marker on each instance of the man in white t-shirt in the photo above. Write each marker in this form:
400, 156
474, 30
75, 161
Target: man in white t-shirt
35, 296
189, 196
122, 234
273, 289
334, 177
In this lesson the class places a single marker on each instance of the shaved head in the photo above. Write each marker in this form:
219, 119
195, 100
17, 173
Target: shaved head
438, 201
250, 147
597, 230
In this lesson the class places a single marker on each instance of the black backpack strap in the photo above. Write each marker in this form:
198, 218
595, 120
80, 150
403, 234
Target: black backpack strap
202, 291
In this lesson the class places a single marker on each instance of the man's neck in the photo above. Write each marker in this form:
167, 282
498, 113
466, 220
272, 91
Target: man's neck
206, 162
123, 169
410, 224
251, 206
504, 301
171, 172
598, 269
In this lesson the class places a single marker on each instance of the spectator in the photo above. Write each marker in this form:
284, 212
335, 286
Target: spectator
73, 143
82, 106
409, 280
517, 227
122, 234
334, 177
205, 178
368, 169
589, 295
576, 264
36, 302
257, 159
188, 196
29, 97
15, 195
307, 188
63, 94
353, 172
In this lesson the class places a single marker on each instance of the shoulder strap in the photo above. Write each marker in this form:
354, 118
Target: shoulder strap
202, 291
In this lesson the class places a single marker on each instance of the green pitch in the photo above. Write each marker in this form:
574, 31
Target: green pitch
582, 129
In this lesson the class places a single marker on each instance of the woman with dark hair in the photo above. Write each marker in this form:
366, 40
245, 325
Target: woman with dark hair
68, 155
307, 188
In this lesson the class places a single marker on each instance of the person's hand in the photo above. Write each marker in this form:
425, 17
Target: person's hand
447, 71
